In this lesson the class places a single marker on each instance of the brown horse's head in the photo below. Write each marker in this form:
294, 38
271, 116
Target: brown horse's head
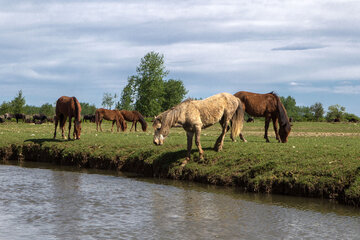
77, 129
284, 132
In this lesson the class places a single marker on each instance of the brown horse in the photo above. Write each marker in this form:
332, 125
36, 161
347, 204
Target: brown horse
269, 106
134, 117
110, 115
68, 107
194, 115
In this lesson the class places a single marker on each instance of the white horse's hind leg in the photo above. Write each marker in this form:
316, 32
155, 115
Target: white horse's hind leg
219, 142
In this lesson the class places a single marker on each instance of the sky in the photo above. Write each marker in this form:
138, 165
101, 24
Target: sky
308, 49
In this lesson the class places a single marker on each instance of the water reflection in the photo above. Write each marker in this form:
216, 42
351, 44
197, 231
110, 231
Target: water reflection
51, 203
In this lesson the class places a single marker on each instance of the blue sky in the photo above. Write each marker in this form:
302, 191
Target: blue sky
306, 49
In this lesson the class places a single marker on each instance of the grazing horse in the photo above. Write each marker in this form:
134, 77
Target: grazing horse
110, 115
19, 116
42, 117
9, 116
68, 107
90, 117
134, 117
194, 115
269, 106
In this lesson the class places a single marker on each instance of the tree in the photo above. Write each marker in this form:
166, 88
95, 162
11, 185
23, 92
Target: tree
335, 112
47, 109
18, 103
108, 100
87, 109
174, 93
5, 107
317, 111
291, 108
127, 95
149, 83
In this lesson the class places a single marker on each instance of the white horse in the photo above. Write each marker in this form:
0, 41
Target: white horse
194, 115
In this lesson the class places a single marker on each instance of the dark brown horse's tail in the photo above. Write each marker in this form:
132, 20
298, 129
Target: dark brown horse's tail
77, 109
143, 122
237, 121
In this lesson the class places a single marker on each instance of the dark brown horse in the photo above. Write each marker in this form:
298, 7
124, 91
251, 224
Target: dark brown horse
269, 106
68, 107
134, 117
110, 115
19, 116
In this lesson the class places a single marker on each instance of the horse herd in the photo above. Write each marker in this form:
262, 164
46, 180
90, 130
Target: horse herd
192, 115
36, 118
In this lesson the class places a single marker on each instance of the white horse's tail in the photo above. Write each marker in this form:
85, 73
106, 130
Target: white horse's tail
237, 121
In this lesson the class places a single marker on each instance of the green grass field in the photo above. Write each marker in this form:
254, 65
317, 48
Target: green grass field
320, 159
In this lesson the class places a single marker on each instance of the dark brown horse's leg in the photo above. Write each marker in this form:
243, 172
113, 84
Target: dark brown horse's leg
56, 124
275, 124
132, 125
135, 125
267, 122
100, 125
70, 117
62, 126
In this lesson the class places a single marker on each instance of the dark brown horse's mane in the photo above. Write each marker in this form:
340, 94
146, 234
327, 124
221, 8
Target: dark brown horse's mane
283, 118
77, 110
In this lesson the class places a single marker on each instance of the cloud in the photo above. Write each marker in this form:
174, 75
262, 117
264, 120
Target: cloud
299, 47
225, 46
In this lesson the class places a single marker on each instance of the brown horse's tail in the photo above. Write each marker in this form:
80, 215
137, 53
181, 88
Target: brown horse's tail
143, 122
237, 121
77, 110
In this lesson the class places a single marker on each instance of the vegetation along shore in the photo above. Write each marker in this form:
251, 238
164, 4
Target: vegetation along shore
320, 160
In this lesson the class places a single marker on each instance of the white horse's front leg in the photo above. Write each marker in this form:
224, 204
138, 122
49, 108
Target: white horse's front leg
197, 142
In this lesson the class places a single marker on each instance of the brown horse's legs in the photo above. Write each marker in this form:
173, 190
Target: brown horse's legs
132, 125
267, 121
197, 142
62, 126
275, 124
219, 142
56, 124
69, 138
135, 125
112, 126
100, 125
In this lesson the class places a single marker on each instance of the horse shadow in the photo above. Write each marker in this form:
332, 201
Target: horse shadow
40, 141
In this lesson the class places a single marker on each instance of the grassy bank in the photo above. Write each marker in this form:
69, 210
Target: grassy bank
320, 159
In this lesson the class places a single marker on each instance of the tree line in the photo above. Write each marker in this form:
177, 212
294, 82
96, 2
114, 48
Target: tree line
149, 92
316, 112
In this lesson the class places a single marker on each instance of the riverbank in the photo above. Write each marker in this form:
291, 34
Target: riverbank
320, 159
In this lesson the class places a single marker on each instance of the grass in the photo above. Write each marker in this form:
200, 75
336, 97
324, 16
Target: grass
320, 159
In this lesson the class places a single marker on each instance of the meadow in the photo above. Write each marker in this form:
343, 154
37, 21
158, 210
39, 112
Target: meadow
320, 160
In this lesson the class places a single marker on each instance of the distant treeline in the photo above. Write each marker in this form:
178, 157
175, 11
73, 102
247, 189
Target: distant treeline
17, 105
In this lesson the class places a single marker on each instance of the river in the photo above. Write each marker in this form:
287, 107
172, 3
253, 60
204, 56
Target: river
42, 201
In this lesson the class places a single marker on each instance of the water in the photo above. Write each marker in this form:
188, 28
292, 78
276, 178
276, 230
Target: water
50, 202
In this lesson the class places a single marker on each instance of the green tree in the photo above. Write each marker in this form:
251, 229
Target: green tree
149, 83
18, 103
335, 111
127, 95
47, 109
5, 107
317, 111
87, 109
291, 108
30, 110
108, 100
174, 93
